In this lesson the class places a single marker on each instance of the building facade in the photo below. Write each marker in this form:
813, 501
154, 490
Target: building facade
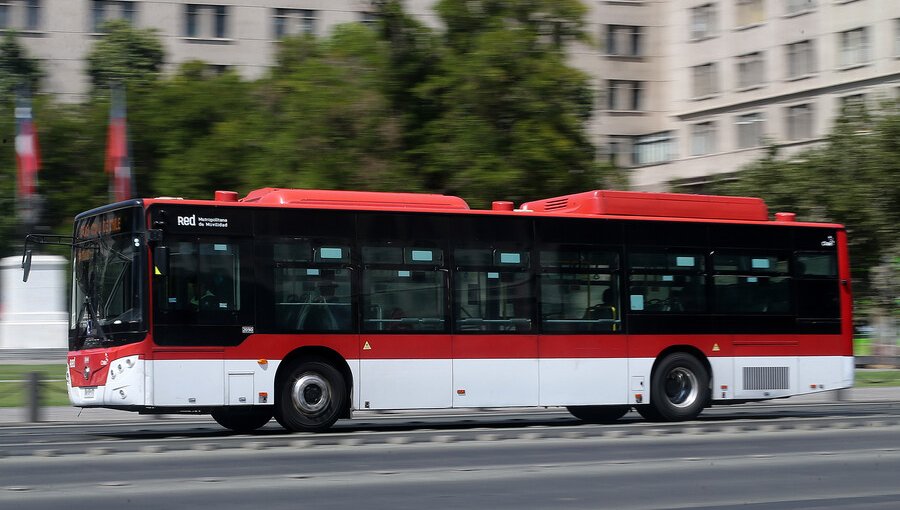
688, 91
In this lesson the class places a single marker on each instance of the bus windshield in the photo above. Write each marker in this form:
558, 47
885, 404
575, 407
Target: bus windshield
107, 300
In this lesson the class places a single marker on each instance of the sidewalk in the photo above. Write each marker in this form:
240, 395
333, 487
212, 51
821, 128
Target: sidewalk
72, 415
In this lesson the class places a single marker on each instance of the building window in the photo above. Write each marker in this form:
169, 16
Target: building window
624, 95
751, 70
619, 149
854, 46
703, 138
795, 6
703, 21
750, 12
20, 14
654, 148
206, 21
623, 40
705, 80
290, 22
108, 10
750, 130
799, 122
897, 37
368, 18
801, 59
854, 103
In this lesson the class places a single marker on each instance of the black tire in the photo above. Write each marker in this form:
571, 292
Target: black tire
679, 389
648, 413
242, 419
312, 396
598, 414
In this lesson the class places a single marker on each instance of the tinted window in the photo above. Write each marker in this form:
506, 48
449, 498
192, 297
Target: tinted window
667, 281
493, 291
818, 288
311, 285
400, 300
206, 297
579, 293
750, 282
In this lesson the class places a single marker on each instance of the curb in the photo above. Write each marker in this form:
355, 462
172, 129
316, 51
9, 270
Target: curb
653, 432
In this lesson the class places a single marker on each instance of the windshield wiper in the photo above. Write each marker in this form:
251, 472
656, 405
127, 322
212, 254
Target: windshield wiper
93, 318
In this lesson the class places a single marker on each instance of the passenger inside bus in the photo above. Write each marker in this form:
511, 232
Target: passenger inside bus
603, 312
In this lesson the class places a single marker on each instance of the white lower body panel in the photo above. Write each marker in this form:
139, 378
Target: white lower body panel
445, 383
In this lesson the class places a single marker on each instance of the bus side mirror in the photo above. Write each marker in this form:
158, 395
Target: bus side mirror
26, 265
161, 261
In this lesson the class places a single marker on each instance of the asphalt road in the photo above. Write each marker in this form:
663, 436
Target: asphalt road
812, 456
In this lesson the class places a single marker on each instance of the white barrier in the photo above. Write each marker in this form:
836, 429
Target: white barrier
33, 314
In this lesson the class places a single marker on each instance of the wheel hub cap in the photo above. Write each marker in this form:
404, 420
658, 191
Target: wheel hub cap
681, 387
310, 393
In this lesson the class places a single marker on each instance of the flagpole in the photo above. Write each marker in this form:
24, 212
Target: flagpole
118, 161
27, 161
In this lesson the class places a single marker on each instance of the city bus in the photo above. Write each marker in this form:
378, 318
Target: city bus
308, 305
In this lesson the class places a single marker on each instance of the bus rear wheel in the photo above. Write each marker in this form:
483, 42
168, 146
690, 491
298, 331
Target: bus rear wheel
242, 419
598, 414
679, 389
312, 397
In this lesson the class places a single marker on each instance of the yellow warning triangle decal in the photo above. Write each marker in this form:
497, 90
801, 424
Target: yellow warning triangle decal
716, 348
367, 347
156, 271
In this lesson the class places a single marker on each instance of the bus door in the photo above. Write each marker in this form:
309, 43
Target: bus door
203, 304
404, 341
583, 348
495, 349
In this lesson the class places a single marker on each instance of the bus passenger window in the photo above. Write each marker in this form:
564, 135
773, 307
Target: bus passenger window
751, 283
312, 286
203, 277
403, 289
579, 292
667, 282
818, 287
493, 291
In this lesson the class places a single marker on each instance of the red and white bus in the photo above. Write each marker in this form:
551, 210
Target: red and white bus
307, 305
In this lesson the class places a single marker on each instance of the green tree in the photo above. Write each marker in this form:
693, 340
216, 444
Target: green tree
125, 54
18, 72
16, 68
512, 113
546, 23
190, 133
71, 180
324, 120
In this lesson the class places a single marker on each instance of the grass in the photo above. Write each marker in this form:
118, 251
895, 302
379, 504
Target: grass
862, 347
14, 393
877, 378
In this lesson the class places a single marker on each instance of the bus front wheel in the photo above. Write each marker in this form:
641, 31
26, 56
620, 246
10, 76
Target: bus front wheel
312, 397
598, 414
242, 419
679, 389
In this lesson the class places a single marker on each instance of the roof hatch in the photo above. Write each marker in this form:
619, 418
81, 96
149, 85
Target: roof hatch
645, 204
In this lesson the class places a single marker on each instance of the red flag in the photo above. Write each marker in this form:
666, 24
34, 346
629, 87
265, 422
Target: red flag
118, 162
27, 157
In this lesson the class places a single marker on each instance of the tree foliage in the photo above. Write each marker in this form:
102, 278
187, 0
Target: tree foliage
486, 108
18, 73
324, 122
17, 70
126, 55
511, 113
